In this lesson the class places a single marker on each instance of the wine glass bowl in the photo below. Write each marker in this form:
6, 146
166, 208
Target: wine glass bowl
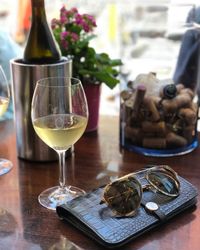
59, 115
5, 165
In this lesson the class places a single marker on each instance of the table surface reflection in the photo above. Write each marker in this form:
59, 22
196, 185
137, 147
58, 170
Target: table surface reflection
25, 224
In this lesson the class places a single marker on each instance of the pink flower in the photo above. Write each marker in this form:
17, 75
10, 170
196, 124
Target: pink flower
74, 36
64, 34
73, 27
78, 19
93, 22
69, 36
63, 19
86, 27
74, 10
63, 10
90, 19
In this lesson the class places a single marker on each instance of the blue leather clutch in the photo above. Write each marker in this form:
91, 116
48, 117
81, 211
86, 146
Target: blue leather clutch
97, 221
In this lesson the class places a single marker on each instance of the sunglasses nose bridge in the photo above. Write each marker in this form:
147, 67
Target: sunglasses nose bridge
146, 187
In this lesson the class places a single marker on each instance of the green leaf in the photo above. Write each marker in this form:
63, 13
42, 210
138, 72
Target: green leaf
115, 62
106, 78
102, 77
89, 38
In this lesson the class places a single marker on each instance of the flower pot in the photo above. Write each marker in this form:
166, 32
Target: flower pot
93, 93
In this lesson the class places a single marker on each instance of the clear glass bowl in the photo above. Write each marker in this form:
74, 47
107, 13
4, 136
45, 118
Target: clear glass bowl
158, 118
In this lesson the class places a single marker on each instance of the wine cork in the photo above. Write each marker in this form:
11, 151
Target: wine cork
134, 134
187, 91
157, 101
157, 143
177, 125
188, 115
183, 100
129, 103
179, 87
194, 107
150, 105
174, 140
149, 135
125, 95
180, 101
130, 84
189, 133
130, 121
126, 112
154, 127
169, 106
139, 97
131, 132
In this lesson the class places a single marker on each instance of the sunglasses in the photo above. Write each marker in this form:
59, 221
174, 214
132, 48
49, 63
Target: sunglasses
123, 196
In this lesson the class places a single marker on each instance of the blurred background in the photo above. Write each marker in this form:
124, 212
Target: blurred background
145, 34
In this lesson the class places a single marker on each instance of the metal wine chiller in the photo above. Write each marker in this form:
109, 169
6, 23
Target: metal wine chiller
24, 78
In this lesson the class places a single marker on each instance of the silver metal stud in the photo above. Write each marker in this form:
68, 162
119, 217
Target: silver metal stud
151, 206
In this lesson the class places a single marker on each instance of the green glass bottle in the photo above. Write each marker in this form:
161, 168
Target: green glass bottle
41, 47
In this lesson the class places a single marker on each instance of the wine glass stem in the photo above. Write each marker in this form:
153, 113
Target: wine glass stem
62, 168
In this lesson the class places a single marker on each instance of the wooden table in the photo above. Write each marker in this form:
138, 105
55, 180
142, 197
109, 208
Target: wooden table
25, 224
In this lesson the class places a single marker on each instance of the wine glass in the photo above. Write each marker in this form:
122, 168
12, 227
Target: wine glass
59, 115
5, 165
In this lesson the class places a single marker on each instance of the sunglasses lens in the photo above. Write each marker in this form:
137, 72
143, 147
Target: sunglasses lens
123, 196
164, 181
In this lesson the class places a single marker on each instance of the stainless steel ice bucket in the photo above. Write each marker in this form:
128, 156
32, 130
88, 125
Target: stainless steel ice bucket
24, 78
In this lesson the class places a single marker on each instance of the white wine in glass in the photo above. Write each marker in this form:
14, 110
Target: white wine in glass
5, 165
59, 116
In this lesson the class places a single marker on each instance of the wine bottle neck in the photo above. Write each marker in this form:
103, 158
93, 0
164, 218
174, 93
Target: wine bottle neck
38, 9
37, 3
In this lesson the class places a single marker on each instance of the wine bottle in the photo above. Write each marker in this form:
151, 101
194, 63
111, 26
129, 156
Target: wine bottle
41, 47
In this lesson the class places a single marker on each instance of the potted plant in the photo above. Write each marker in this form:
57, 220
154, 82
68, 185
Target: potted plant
73, 32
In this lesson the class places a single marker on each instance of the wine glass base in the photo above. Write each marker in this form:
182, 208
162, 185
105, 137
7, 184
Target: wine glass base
55, 196
5, 166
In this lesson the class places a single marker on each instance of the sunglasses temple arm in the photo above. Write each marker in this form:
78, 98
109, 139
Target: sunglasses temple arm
140, 171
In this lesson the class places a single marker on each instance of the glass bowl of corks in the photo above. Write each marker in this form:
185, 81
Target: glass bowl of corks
157, 117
